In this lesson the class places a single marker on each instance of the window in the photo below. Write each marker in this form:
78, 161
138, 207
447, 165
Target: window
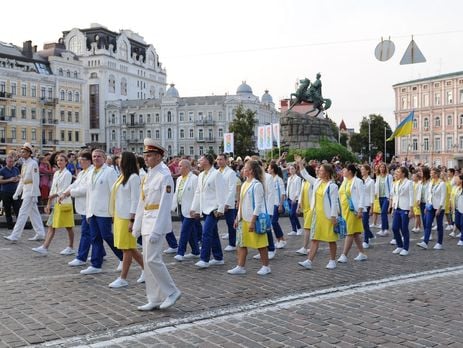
69, 135
62, 115
2, 110
181, 116
148, 133
200, 134
23, 90
426, 100
415, 101
148, 118
13, 88
76, 117
156, 134
426, 123
23, 133
415, 123
60, 72
415, 145
191, 133
69, 116
124, 119
13, 111
124, 135
182, 150
220, 133
437, 122
13, 133
42, 92
62, 135
123, 86
70, 96
68, 73
156, 119
50, 93
192, 151
200, 116
426, 144
220, 116
33, 134
169, 117
191, 116
33, 91
33, 114
449, 120
449, 143
62, 95
437, 99
76, 136
461, 96
113, 135
461, 121
140, 119
113, 119
77, 97
112, 84
169, 133
461, 143
140, 135
437, 144
75, 74
23, 112
449, 97
201, 150
404, 103
182, 133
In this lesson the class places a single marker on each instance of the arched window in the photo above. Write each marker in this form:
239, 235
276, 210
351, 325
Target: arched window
75, 74
124, 119
449, 120
182, 134
113, 135
157, 134
69, 96
113, 119
75, 45
123, 50
112, 84
148, 118
437, 122
169, 117
77, 97
415, 123
68, 73
123, 86
148, 133
169, 133
60, 72
62, 94
426, 123
169, 150
140, 119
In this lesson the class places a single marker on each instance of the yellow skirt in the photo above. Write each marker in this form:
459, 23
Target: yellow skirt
123, 239
246, 239
376, 206
307, 219
417, 209
63, 215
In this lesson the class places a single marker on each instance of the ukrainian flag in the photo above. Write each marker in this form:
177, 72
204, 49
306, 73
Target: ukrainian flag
404, 127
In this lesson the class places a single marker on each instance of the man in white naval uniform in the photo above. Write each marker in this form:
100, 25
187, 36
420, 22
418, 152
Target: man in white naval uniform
28, 189
153, 220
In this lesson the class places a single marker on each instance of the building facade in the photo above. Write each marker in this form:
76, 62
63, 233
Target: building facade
437, 134
183, 125
117, 66
40, 98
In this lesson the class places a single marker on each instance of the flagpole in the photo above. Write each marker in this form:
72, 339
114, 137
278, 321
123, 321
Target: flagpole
385, 150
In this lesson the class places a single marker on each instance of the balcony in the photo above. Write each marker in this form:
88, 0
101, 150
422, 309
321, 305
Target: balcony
134, 141
136, 124
205, 123
49, 122
205, 139
50, 142
4, 118
49, 101
5, 95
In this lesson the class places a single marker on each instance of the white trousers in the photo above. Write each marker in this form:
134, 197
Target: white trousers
159, 283
28, 209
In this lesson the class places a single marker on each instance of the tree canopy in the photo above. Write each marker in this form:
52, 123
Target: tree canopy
242, 127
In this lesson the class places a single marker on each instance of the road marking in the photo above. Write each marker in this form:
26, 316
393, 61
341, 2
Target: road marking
139, 331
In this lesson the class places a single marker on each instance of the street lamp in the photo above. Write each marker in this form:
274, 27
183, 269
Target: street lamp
369, 139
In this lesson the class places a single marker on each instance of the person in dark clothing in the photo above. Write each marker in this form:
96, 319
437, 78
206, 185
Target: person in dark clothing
9, 178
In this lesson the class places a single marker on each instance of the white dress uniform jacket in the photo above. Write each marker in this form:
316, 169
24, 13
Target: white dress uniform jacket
153, 215
294, 187
246, 210
270, 194
231, 180
387, 186
403, 195
279, 187
29, 186
369, 192
127, 197
189, 189
99, 191
209, 194
436, 194
78, 189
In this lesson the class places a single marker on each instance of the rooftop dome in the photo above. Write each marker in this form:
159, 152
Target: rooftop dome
244, 89
172, 91
267, 98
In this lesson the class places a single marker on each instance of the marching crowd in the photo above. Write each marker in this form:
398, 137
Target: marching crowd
129, 204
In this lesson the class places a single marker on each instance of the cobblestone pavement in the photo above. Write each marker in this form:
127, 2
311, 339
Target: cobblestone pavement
44, 301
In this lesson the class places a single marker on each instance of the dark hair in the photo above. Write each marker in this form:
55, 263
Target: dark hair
352, 168
256, 170
426, 173
53, 157
329, 169
86, 154
367, 168
276, 169
141, 162
404, 170
461, 179
209, 158
128, 166
223, 155
452, 170
311, 170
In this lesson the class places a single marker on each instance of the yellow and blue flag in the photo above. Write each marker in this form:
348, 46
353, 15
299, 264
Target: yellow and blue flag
404, 127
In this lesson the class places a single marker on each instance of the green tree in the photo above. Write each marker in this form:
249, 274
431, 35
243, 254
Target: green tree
326, 151
343, 139
242, 128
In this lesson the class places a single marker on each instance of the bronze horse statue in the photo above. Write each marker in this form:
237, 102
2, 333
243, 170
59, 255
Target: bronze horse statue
310, 93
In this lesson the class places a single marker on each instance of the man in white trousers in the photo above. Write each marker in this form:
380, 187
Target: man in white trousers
153, 220
28, 189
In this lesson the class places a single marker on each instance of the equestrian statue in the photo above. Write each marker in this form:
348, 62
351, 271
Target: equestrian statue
310, 93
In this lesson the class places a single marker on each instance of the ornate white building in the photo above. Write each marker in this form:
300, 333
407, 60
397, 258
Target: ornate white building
117, 66
183, 125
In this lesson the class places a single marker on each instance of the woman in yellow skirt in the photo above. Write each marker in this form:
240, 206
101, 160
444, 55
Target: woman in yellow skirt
251, 204
304, 208
416, 204
125, 195
324, 205
61, 214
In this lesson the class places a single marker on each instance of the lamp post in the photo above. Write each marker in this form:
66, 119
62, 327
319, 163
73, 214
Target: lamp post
369, 139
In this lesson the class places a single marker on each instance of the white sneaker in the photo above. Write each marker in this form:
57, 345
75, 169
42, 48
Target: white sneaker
458, 235
170, 251
202, 264
372, 225
230, 248
448, 228
224, 236
365, 245
76, 262
403, 252
191, 256
452, 234
119, 267
237, 270
11, 239
342, 258
381, 233
271, 254
91, 270
292, 233
430, 238
214, 262
331, 264
460, 243
434, 228
67, 251
300, 232
257, 256
361, 257
378, 226
41, 250
141, 278
119, 283
422, 245
179, 257
397, 250
281, 244
37, 237
393, 242
307, 264
438, 246
301, 251
264, 270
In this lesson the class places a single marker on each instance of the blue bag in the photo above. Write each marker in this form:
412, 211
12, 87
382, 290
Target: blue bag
341, 227
263, 222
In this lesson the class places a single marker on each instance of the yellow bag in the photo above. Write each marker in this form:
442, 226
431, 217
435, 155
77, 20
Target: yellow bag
63, 215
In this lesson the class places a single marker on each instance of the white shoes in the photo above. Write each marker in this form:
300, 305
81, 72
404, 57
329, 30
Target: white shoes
170, 251
452, 234
179, 258
37, 237
307, 264
449, 228
397, 250
300, 232
331, 264
422, 245
342, 258
170, 300
237, 270
141, 279
41, 250
264, 270
438, 246
393, 242
382, 233
202, 264
460, 243
191, 256
292, 233
280, 244
271, 254
224, 236
430, 238
366, 245
302, 251
149, 306
214, 262
91, 270
404, 253
372, 225
361, 257
119, 267
230, 248
67, 251
119, 283
434, 228
76, 262
11, 239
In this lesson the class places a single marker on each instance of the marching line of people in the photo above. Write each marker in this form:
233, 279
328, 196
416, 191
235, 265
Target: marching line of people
135, 207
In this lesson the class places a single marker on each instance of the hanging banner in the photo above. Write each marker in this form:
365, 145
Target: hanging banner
268, 137
261, 138
228, 143
276, 133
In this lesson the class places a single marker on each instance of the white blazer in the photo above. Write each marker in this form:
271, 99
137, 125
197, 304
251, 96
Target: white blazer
209, 194
459, 201
357, 192
78, 190
293, 187
29, 185
369, 192
279, 189
61, 182
270, 193
436, 196
231, 180
127, 197
189, 189
99, 191
403, 195
388, 186
246, 210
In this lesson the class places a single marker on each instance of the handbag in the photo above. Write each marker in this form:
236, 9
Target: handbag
286, 206
263, 222
63, 215
341, 227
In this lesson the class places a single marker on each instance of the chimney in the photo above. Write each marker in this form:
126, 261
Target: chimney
35, 49
27, 49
